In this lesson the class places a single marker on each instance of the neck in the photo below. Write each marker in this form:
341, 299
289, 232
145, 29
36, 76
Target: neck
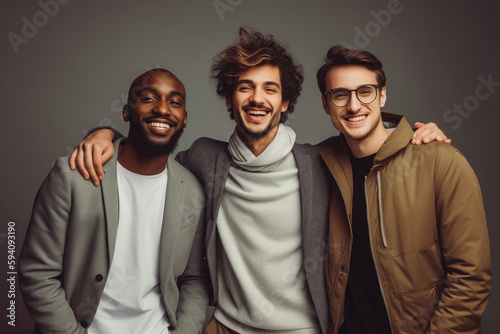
369, 145
136, 162
257, 145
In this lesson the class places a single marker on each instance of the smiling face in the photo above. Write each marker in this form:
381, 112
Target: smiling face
156, 111
257, 103
359, 122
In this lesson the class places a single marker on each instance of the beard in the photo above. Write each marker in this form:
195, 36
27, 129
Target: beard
150, 148
260, 134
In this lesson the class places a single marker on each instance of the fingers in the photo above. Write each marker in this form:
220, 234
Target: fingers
72, 159
97, 165
79, 162
418, 125
426, 133
421, 135
108, 153
99, 156
88, 162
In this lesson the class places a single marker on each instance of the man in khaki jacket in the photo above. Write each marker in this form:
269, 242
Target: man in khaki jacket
409, 249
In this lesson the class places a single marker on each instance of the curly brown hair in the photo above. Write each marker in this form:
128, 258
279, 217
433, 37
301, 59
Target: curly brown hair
255, 49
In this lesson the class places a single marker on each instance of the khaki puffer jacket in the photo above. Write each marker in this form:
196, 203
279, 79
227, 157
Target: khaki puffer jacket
428, 235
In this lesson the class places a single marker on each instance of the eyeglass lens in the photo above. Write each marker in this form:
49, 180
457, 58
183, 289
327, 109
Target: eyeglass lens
365, 94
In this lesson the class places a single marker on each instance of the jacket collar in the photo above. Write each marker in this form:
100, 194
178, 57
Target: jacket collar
397, 141
338, 152
175, 199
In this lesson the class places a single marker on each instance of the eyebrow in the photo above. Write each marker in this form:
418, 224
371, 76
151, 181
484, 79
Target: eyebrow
355, 88
267, 83
154, 90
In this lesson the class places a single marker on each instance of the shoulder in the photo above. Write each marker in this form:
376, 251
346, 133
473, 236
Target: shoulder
203, 152
314, 149
62, 172
307, 149
64, 183
308, 157
448, 157
205, 144
329, 141
436, 150
439, 157
61, 166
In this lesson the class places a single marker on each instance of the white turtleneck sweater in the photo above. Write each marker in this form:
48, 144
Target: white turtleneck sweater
262, 287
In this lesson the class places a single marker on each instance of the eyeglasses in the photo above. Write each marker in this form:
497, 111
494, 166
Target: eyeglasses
341, 97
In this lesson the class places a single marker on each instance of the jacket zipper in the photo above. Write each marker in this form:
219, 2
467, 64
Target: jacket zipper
373, 256
380, 213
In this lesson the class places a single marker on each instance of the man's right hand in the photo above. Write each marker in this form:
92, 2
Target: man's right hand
91, 153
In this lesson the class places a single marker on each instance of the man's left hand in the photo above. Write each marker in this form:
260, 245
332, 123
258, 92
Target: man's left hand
426, 133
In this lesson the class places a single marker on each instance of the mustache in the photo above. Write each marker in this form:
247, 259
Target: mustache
257, 106
165, 119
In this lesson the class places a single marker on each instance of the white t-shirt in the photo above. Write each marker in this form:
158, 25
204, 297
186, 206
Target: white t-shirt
131, 301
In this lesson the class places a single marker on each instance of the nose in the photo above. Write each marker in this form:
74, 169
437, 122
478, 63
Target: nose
161, 107
257, 96
354, 105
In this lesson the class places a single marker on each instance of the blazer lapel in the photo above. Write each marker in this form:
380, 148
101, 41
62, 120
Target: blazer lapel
215, 193
221, 172
306, 197
314, 193
109, 189
172, 217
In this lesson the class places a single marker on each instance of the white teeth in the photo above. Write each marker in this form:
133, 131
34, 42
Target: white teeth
356, 118
159, 125
257, 112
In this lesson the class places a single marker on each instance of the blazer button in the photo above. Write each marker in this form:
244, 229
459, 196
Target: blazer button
98, 278
84, 324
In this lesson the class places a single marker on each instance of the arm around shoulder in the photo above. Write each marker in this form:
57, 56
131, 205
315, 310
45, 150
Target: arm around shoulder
117, 134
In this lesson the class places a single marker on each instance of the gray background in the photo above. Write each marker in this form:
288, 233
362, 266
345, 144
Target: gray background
73, 72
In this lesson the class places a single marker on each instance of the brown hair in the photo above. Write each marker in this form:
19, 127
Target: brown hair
338, 55
255, 49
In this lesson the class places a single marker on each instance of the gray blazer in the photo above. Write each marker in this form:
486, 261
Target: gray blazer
70, 242
210, 160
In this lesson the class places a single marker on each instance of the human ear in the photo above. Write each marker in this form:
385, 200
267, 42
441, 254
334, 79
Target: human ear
126, 113
324, 101
383, 96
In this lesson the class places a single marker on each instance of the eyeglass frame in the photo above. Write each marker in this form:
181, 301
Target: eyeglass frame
329, 92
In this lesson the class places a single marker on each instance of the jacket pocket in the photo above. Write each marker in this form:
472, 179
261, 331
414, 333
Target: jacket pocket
419, 307
187, 222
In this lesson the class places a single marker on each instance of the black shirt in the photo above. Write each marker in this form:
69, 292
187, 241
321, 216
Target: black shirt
365, 311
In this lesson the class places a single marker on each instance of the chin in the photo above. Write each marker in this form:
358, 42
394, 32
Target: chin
258, 133
355, 135
153, 148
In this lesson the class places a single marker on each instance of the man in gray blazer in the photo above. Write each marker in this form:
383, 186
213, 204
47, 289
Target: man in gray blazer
127, 256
